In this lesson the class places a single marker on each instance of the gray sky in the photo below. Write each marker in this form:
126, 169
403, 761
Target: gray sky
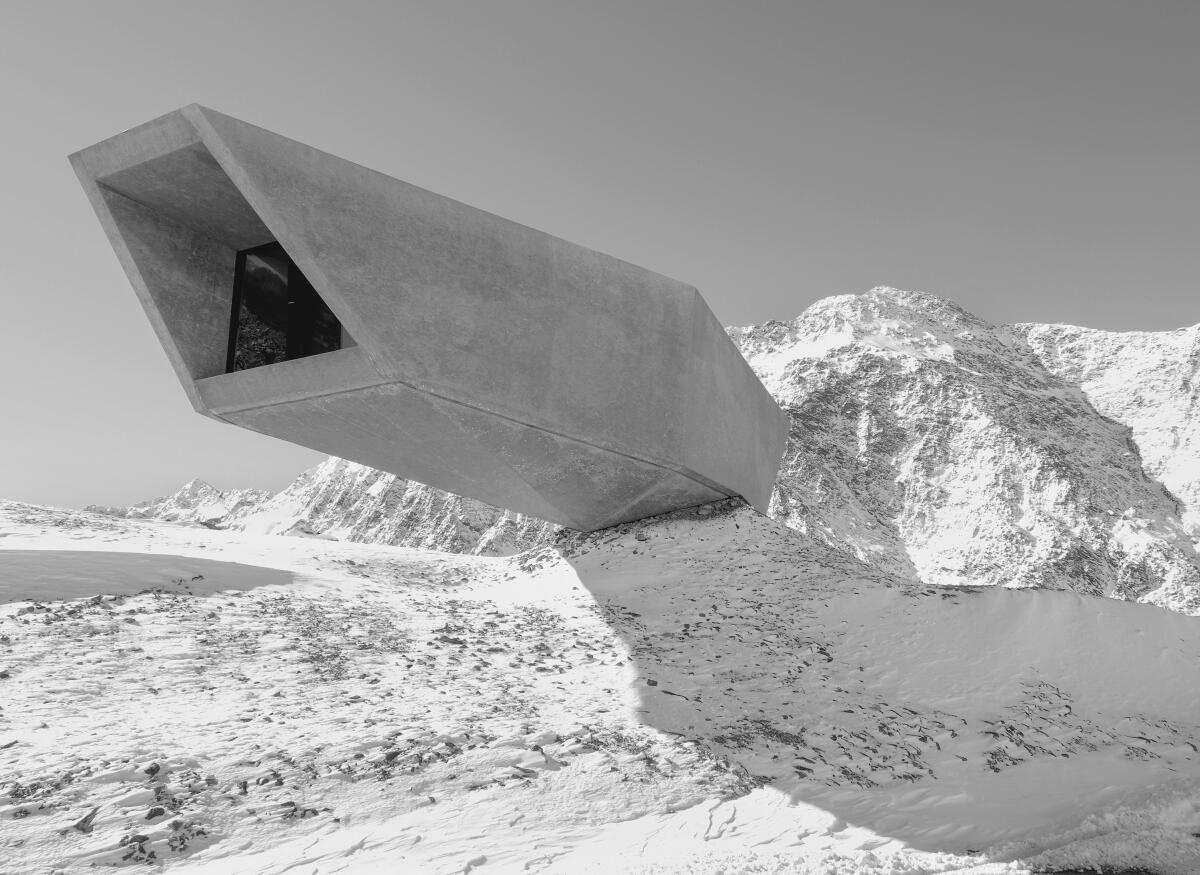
1032, 161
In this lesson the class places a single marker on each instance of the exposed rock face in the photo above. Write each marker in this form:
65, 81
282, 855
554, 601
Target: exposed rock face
1147, 380
925, 441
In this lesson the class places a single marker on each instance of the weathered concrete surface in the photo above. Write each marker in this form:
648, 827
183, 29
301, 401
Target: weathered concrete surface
492, 360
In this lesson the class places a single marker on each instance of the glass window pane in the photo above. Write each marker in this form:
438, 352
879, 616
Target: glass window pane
263, 315
326, 330
280, 316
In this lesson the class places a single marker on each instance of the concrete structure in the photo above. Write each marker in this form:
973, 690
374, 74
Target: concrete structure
476, 355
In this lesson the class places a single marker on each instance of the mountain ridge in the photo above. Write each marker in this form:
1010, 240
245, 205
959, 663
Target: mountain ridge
1071, 452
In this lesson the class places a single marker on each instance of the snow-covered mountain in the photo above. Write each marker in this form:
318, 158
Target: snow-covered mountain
925, 441
934, 444
352, 502
1147, 380
194, 502
348, 501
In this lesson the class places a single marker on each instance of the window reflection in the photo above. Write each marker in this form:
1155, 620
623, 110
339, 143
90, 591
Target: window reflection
278, 315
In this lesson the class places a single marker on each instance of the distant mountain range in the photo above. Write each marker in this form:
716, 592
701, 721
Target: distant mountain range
349, 501
925, 441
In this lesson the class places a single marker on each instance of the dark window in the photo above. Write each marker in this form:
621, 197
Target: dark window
277, 315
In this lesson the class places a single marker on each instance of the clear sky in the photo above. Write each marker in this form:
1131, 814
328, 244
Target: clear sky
1033, 161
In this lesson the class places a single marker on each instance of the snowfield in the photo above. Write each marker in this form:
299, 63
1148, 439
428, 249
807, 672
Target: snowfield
704, 692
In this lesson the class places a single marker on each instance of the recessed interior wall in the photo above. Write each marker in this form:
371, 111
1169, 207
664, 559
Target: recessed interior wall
184, 223
189, 187
187, 275
277, 314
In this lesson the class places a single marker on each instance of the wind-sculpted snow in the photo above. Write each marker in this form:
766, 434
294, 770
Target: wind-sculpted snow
152, 723
706, 691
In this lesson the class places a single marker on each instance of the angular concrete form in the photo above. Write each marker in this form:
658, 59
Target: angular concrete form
477, 355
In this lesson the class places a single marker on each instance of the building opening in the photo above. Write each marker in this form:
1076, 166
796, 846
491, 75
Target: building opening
277, 314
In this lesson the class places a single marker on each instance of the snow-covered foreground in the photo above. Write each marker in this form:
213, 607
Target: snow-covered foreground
708, 692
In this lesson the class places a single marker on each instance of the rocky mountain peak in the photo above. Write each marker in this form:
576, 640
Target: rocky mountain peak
905, 327
196, 487
197, 502
885, 305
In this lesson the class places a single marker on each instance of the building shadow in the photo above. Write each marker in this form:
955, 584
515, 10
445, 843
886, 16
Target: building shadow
949, 719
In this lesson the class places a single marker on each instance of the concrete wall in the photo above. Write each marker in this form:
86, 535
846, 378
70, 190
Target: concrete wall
186, 276
493, 360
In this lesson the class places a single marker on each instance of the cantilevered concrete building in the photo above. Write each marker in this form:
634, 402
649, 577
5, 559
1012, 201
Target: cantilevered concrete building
309, 298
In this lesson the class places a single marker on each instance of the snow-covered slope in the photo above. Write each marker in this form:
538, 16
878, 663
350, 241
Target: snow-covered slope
1147, 380
704, 692
935, 445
